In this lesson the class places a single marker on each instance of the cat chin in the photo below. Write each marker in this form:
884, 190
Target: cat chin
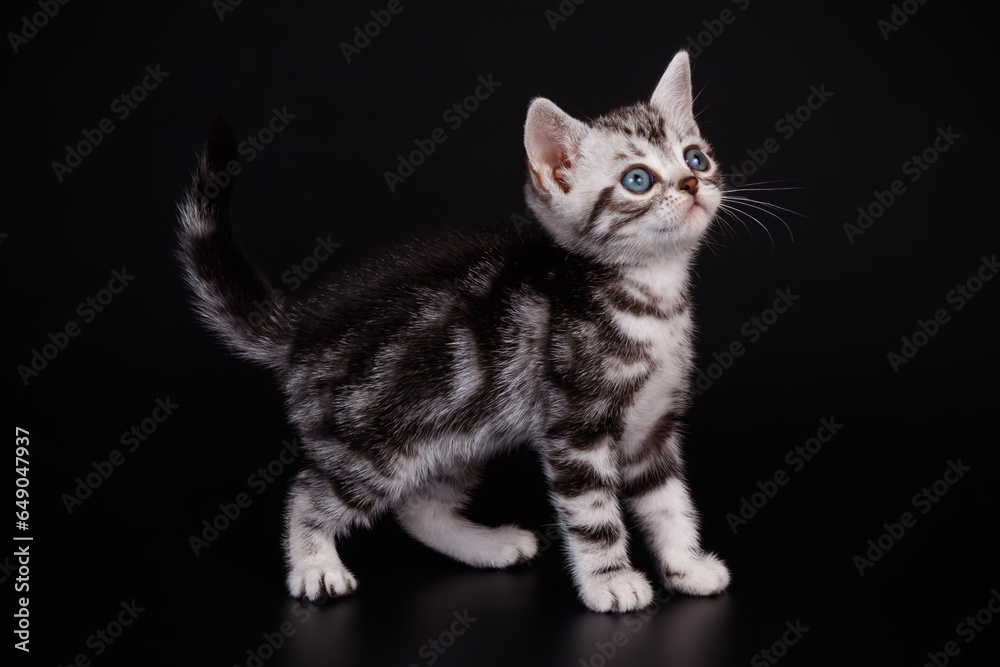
663, 245
701, 211
697, 223
688, 231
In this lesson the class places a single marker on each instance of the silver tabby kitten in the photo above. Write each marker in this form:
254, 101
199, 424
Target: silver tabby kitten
404, 376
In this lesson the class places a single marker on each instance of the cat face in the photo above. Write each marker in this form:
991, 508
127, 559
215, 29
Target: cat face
633, 186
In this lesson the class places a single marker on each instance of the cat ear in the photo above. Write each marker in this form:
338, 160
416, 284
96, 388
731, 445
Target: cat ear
552, 139
672, 96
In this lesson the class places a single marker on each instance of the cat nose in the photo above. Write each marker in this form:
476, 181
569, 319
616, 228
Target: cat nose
689, 185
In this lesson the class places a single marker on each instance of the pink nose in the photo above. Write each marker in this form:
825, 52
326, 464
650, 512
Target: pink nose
689, 185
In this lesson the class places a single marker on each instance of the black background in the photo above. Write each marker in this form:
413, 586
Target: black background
323, 176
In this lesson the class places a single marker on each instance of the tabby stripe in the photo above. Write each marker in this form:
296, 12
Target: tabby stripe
353, 495
656, 440
614, 568
643, 288
603, 199
586, 436
606, 535
653, 476
630, 214
573, 478
639, 120
622, 300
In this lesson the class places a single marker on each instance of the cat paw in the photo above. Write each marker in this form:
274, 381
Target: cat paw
705, 575
317, 582
624, 590
500, 547
519, 546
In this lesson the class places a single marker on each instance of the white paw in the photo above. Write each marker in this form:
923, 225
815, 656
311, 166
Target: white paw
496, 547
516, 546
314, 582
705, 575
624, 590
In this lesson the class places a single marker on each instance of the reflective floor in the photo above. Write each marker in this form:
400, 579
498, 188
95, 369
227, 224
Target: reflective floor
798, 594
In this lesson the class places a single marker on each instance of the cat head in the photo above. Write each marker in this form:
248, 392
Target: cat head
633, 186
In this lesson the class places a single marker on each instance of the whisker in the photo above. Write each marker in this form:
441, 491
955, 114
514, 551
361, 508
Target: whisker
712, 244
774, 215
734, 230
762, 225
725, 226
791, 187
735, 218
775, 180
766, 203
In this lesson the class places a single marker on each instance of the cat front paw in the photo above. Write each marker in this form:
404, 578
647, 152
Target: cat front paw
500, 547
316, 582
519, 546
623, 590
704, 575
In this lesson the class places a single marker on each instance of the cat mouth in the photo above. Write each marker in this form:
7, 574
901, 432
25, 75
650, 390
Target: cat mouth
698, 216
694, 209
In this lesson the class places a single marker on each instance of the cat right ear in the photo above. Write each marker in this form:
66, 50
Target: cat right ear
673, 93
552, 139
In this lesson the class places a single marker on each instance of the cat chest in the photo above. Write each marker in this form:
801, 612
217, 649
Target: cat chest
667, 346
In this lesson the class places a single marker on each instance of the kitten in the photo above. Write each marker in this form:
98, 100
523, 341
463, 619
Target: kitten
404, 376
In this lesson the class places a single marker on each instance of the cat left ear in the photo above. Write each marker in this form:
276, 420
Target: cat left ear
672, 96
552, 139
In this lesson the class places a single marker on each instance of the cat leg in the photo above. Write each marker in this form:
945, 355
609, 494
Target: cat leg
585, 487
431, 515
314, 517
659, 498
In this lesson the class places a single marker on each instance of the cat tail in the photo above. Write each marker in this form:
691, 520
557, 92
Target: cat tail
232, 296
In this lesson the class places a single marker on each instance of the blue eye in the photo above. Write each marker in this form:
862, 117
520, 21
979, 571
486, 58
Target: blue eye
637, 180
696, 159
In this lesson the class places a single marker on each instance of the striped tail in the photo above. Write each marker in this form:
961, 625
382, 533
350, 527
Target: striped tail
231, 295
